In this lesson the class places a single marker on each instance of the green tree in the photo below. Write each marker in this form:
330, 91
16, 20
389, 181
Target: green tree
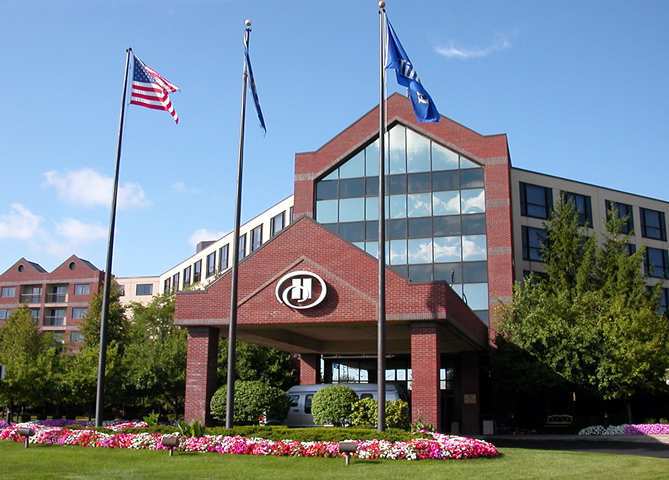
591, 320
117, 325
256, 362
31, 360
155, 357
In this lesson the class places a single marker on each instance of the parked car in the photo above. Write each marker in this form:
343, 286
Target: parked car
301, 396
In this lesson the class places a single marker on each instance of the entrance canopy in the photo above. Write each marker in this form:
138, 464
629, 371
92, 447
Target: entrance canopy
282, 277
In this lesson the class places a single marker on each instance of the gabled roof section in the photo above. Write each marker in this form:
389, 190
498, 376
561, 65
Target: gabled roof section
33, 266
350, 274
448, 132
77, 262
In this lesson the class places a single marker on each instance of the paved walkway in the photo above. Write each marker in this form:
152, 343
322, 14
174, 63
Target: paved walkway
644, 445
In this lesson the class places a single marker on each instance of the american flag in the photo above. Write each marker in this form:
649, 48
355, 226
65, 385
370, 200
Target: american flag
151, 90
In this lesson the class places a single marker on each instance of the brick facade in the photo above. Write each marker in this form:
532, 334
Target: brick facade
310, 367
73, 271
201, 373
425, 364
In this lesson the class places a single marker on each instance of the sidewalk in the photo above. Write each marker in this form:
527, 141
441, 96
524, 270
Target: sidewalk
654, 439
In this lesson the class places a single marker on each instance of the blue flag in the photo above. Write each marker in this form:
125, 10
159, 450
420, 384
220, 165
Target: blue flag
252, 87
398, 60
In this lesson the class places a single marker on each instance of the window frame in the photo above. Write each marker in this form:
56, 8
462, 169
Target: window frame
574, 196
78, 286
187, 278
612, 206
527, 248
210, 264
662, 226
197, 271
3, 289
224, 249
548, 199
650, 269
256, 232
272, 227
137, 289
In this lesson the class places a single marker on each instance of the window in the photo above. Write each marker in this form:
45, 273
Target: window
653, 224
197, 271
166, 285
583, 207
76, 337
623, 212
223, 257
535, 201
82, 289
121, 290
54, 317
533, 242
307, 403
4, 314
664, 301
8, 292
145, 288
31, 294
175, 282
59, 337
34, 314
277, 223
657, 263
290, 215
187, 272
211, 264
242, 246
256, 238
79, 312
293, 399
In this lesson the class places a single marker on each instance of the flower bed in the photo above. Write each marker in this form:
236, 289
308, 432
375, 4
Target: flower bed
627, 429
434, 446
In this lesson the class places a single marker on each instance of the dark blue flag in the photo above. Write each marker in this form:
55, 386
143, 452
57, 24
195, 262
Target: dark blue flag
398, 60
252, 87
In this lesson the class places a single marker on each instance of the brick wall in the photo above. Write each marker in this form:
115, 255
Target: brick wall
310, 367
425, 363
200, 373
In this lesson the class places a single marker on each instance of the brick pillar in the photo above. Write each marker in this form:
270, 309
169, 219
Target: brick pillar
310, 367
200, 372
471, 401
425, 362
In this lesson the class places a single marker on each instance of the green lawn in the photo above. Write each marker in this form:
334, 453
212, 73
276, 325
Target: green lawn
75, 463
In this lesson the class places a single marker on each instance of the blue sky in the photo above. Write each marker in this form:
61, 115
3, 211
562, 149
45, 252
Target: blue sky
581, 88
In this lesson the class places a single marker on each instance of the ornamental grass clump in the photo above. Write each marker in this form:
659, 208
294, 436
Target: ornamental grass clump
333, 405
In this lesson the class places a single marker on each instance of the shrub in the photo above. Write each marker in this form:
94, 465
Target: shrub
254, 401
333, 405
152, 418
365, 413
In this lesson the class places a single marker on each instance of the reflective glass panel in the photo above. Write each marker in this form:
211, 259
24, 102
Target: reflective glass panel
397, 150
418, 152
476, 295
474, 248
446, 203
419, 205
355, 167
398, 252
447, 249
473, 201
327, 211
398, 206
443, 158
351, 209
420, 250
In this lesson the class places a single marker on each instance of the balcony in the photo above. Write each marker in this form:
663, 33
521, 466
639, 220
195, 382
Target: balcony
30, 298
55, 297
54, 321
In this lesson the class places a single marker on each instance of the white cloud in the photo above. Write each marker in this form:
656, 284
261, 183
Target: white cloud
501, 42
88, 188
20, 223
79, 232
202, 235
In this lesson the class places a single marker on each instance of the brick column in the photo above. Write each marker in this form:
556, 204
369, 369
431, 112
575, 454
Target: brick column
471, 401
425, 363
200, 372
310, 366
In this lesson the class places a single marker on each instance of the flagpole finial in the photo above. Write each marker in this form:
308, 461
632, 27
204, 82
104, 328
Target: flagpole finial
382, 5
247, 24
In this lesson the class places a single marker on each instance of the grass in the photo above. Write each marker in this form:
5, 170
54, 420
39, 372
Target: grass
48, 462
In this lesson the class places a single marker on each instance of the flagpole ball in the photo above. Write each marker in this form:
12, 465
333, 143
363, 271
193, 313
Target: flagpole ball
382, 4
247, 24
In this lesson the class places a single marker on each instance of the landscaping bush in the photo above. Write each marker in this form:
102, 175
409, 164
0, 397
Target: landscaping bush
255, 401
333, 405
365, 413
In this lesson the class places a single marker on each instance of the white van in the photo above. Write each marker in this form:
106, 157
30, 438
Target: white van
299, 414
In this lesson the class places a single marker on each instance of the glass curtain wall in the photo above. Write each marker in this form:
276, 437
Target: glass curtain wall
435, 212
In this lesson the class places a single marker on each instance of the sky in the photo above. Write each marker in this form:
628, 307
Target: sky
581, 89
